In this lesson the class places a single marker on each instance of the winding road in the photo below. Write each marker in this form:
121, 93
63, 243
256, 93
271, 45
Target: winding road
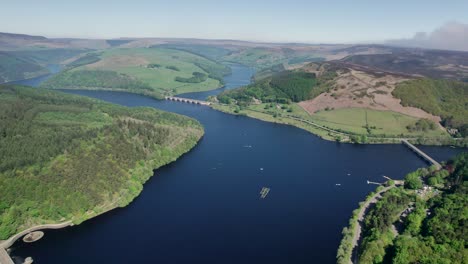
362, 212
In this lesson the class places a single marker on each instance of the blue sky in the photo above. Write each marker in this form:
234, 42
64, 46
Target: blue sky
288, 20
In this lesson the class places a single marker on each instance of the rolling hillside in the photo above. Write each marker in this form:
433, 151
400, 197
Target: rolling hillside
355, 104
150, 71
24, 64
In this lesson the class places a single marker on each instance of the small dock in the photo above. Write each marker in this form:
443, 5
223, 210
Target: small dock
186, 100
421, 154
376, 183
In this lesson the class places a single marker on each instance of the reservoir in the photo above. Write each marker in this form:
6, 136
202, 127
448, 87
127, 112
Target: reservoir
207, 208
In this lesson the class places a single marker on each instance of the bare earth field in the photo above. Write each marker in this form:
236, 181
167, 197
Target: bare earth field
357, 89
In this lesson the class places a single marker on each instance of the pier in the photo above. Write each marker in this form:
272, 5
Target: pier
421, 154
187, 100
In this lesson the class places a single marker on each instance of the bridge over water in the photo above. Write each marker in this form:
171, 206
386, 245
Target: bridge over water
187, 100
421, 154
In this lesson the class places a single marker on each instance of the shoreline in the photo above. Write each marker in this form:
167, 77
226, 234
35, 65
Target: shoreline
333, 135
26, 79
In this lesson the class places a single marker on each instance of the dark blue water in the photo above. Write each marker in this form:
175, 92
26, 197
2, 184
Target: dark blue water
240, 76
206, 206
53, 69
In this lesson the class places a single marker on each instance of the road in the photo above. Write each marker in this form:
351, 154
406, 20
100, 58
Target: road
358, 227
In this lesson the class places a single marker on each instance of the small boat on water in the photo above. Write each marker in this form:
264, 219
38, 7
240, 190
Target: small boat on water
338, 184
261, 169
264, 192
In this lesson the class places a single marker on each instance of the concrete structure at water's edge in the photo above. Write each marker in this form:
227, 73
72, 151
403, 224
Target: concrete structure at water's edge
187, 100
421, 154
30, 235
4, 257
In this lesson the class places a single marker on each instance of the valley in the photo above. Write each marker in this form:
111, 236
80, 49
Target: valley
87, 139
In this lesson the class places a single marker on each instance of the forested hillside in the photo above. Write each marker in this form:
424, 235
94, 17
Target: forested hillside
14, 68
284, 87
66, 157
445, 98
25, 64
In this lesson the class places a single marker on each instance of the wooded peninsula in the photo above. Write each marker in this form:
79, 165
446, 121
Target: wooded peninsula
67, 157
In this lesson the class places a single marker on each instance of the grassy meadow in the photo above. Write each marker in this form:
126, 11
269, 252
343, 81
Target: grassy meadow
356, 121
157, 68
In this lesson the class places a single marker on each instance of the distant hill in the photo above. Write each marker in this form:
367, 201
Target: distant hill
429, 63
150, 71
13, 68
358, 101
24, 64
19, 37
9, 41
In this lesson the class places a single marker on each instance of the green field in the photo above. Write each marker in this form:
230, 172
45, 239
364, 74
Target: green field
352, 121
357, 119
158, 68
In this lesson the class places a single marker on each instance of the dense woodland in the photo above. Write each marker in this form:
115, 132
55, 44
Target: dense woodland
430, 226
216, 71
68, 157
285, 87
86, 59
197, 77
445, 98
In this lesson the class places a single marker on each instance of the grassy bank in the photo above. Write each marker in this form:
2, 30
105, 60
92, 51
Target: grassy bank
293, 114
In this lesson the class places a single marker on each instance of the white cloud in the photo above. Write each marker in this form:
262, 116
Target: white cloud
451, 36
